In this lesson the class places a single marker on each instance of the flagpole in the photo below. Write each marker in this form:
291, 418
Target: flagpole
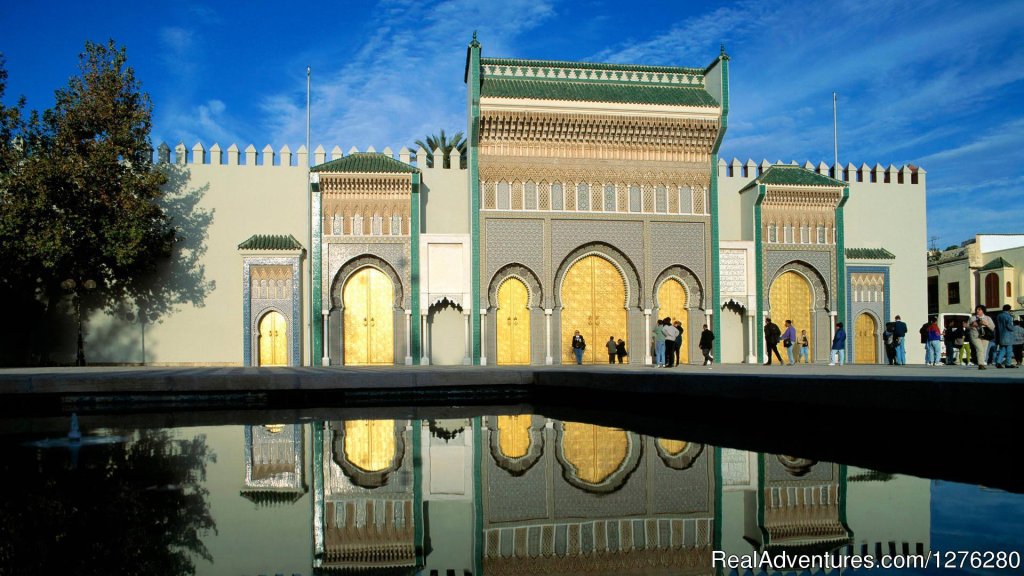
309, 227
835, 135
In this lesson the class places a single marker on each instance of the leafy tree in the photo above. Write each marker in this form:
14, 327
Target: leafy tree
446, 146
83, 206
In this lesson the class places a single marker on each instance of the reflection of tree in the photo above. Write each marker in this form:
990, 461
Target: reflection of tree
127, 508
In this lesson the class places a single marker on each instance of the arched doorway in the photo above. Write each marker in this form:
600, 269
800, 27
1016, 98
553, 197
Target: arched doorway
514, 435
273, 340
369, 318
370, 444
593, 297
672, 302
865, 344
594, 452
513, 318
790, 298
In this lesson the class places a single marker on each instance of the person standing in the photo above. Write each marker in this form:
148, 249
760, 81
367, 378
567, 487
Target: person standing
706, 339
611, 349
1004, 338
620, 350
679, 339
933, 344
965, 344
578, 346
982, 334
838, 346
1018, 341
890, 344
669, 331
954, 339
805, 346
899, 334
789, 340
659, 345
771, 340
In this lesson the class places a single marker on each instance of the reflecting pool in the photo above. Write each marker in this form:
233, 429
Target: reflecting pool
513, 494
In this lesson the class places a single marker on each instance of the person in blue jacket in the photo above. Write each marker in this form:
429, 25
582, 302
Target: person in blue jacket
839, 346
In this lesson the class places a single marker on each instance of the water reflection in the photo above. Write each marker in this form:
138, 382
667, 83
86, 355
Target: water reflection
493, 495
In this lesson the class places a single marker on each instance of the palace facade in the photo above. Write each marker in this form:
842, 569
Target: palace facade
593, 198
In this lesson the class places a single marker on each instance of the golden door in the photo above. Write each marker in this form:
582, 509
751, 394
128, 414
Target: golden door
273, 340
865, 344
594, 452
672, 447
369, 318
672, 303
790, 299
370, 444
593, 296
513, 319
514, 435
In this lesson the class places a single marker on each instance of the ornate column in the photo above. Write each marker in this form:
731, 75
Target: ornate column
326, 360
547, 338
483, 338
424, 353
647, 337
341, 339
467, 316
751, 343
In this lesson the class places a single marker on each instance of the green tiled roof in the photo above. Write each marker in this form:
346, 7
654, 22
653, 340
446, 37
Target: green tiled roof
497, 87
270, 242
869, 254
787, 174
997, 264
590, 66
366, 163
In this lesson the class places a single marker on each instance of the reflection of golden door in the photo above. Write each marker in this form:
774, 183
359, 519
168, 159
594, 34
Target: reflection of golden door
514, 435
865, 345
513, 319
370, 444
273, 340
593, 297
790, 299
672, 447
369, 318
672, 303
595, 452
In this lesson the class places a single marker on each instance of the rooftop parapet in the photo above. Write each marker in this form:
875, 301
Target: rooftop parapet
282, 157
907, 174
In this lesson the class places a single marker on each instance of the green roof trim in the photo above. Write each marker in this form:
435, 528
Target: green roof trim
270, 242
670, 95
869, 254
789, 175
590, 66
366, 163
997, 264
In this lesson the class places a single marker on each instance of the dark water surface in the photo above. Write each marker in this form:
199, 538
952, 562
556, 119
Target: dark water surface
484, 495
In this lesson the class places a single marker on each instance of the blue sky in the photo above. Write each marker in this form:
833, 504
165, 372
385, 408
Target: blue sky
935, 83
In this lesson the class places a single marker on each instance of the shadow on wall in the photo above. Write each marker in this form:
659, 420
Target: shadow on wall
114, 326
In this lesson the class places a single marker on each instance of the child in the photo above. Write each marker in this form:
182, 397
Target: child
804, 347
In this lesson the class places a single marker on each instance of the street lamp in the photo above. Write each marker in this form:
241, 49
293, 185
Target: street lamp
70, 285
144, 317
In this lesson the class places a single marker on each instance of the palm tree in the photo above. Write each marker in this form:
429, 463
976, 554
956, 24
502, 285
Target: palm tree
446, 146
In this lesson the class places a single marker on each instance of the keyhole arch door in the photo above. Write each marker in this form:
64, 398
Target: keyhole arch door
672, 301
513, 317
866, 343
368, 321
791, 298
593, 302
273, 345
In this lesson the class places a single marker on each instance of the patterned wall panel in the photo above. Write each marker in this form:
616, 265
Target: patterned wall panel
508, 240
678, 243
511, 498
679, 491
569, 234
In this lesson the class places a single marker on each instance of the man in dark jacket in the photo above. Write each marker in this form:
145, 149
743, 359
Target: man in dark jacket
771, 340
899, 333
706, 339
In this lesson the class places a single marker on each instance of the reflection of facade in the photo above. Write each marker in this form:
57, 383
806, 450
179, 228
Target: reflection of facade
799, 507
274, 463
568, 498
366, 506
